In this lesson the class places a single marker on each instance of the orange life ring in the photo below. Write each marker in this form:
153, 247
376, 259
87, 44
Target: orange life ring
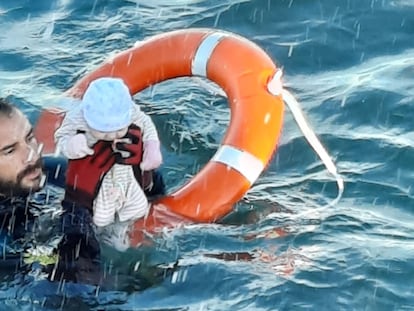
243, 70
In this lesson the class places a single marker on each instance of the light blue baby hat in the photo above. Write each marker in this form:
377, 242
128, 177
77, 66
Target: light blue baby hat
107, 105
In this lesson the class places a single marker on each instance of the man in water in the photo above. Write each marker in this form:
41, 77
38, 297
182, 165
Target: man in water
22, 177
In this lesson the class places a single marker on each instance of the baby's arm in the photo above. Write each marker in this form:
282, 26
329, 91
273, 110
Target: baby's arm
152, 157
70, 143
63, 133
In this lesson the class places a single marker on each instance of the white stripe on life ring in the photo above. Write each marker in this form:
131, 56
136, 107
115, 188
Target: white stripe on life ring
243, 162
204, 51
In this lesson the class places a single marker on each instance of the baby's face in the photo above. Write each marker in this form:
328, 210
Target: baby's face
109, 136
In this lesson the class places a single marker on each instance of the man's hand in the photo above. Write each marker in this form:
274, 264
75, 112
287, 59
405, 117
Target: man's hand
133, 151
129, 150
84, 176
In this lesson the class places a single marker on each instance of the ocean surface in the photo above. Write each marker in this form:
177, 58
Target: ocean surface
350, 65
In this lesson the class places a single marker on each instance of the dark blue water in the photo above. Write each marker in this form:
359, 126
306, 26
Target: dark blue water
350, 63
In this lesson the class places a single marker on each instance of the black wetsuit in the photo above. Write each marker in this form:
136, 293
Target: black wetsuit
21, 228
18, 215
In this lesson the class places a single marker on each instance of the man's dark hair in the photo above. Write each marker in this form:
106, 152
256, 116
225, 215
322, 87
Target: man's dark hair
6, 108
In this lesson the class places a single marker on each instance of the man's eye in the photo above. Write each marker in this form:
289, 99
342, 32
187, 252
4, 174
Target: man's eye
31, 138
8, 151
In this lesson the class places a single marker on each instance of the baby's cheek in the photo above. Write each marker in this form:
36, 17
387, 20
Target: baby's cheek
109, 136
122, 133
98, 135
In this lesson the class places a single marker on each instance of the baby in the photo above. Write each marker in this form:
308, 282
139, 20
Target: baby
105, 113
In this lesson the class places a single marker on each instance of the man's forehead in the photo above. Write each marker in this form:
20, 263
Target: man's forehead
13, 128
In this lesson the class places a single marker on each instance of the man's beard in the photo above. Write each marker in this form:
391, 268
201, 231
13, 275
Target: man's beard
13, 189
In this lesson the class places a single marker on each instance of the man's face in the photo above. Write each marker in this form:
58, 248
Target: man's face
20, 162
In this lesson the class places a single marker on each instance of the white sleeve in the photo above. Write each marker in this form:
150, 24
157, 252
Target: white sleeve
144, 121
72, 122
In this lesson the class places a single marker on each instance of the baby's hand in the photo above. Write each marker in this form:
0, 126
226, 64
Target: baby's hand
152, 157
77, 147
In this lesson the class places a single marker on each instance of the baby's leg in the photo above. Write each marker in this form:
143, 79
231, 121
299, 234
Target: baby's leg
106, 203
135, 205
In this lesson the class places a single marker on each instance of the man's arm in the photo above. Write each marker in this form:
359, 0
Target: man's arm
79, 250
